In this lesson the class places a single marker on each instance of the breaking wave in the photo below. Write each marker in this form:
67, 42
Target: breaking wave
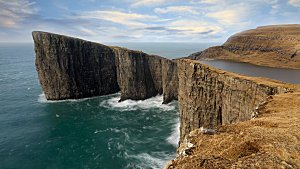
146, 160
42, 99
127, 105
174, 137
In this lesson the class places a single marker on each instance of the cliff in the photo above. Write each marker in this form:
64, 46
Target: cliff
210, 97
170, 80
273, 46
213, 106
272, 140
71, 68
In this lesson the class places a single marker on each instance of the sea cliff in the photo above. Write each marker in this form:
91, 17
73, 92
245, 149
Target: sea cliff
209, 97
229, 120
71, 68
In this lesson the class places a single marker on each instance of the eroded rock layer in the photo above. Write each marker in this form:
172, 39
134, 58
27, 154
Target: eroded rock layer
210, 97
71, 68
274, 46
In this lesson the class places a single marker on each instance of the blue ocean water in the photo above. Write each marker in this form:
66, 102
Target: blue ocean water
89, 133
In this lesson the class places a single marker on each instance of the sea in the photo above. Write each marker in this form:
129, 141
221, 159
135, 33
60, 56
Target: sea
91, 133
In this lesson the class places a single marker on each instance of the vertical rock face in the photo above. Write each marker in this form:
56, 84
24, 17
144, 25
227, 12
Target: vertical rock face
74, 68
209, 97
170, 80
136, 75
71, 68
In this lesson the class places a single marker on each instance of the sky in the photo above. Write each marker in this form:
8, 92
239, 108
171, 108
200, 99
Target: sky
200, 21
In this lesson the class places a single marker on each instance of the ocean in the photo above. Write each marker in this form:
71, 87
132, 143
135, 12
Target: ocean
88, 133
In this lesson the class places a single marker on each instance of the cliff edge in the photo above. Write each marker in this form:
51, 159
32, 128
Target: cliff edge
273, 46
272, 140
71, 68
229, 120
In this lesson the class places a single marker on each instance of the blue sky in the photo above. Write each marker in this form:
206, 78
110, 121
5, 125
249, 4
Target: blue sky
142, 20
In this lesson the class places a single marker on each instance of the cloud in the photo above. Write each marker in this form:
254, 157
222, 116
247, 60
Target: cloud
176, 9
210, 1
232, 16
139, 3
87, 32
295, 3
192, 27
123, 18
15, 11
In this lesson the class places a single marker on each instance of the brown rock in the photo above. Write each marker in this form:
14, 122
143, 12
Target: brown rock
210, 97
170, 80
71, 68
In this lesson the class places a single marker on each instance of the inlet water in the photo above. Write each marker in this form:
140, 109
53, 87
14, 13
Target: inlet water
282, 74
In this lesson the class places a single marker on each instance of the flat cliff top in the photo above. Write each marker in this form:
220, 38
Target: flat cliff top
273, 46
271, 140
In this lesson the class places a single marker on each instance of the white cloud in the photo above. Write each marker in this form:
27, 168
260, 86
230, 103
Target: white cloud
87, 32
192, 27
15, 11
139, 3
210, 1
127, 19
176, 9
232, 16
295, 3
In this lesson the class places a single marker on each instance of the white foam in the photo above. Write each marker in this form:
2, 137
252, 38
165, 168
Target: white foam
147, 160
154, 102
42, 99
174, 137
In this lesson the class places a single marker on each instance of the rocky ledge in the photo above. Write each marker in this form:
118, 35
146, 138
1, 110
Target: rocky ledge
71, 68
273, 46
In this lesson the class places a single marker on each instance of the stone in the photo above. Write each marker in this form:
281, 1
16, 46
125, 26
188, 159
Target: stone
71, 68
209, 97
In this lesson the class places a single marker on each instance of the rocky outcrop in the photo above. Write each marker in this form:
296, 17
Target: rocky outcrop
210, 97
170, 80
71, 68
139, 74
274, 46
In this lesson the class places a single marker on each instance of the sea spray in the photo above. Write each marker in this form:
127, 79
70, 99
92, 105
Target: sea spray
127, 105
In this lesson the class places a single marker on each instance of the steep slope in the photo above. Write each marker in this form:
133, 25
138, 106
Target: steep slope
232, 121
71, 68
139, 74
274, 46
209, 97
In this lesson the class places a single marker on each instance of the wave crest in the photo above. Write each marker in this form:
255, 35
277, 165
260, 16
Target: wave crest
127, 105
